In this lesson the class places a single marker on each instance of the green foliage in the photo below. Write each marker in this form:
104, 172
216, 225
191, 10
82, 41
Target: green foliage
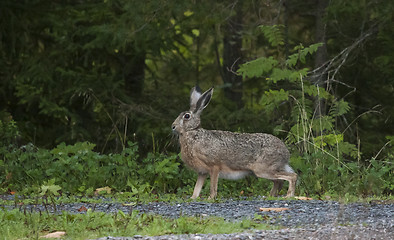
258, 67
321, 173
161, 172
274, 34
301, 53
273, 98
77, 168
277, 71
9, 131
306, 130
339, 108
315, 91
328, 161
50, 188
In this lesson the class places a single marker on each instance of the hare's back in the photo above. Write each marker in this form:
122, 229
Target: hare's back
249, 144
241, 149
246, 141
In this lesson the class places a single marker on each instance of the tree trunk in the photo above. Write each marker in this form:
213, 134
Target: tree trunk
232, 55
321, 54
134, 75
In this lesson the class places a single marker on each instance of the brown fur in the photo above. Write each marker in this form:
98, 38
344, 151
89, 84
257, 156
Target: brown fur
230, 155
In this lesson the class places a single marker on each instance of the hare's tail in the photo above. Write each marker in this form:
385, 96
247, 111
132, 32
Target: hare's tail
288, 169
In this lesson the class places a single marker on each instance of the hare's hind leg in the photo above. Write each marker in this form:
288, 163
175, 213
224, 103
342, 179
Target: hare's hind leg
276, 187
200, 182
276, 177
291, 178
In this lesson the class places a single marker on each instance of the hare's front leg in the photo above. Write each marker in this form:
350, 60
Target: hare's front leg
200, 182
214, 177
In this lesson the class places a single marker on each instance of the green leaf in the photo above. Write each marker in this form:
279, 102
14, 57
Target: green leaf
300, 54
280, 74
348, 149
196, 32
316, 91
258, 67
339, 108
274, 34
296, 76
188, 13
272, 98
323, 123
329, 139
50, 188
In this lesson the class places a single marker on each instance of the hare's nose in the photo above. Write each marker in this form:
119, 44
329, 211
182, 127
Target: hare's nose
173, 127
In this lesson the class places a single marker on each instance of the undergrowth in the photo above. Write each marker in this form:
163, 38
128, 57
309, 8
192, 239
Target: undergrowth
78, 170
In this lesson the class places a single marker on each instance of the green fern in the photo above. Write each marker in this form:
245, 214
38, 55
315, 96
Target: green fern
300, 54
339, 108
323, 124
272, 98
279, 74
328, 140
315, 91
274, 34
298, 75
258, 67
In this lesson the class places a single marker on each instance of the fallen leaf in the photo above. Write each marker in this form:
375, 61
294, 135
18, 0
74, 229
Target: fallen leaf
303, 198
132, 204
57, 234
103, 189
82, 209
273, 209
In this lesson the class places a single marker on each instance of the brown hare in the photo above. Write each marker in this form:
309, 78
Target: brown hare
230, 155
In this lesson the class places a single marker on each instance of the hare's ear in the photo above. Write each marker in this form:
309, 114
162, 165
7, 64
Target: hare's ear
195, 94
203, 101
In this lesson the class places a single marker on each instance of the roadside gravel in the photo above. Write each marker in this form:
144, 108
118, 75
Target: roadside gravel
312, 219
323, 233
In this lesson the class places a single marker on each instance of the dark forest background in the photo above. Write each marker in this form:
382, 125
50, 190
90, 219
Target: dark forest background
317, 73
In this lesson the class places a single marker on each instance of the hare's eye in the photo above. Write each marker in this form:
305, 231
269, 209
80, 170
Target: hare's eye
186, 116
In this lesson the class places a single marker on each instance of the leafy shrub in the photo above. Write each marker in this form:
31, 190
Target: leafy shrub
321, 173
77, 168
160, 171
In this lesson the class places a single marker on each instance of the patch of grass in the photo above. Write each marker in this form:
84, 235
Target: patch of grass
349, 198
15, 224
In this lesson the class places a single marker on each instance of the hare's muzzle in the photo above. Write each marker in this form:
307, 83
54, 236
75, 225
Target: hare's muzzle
174, 128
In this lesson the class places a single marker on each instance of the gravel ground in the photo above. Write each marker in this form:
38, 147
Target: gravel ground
312, 219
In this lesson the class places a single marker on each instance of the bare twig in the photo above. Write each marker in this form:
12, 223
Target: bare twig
332, 67
387, 143
362, 114
232, 67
